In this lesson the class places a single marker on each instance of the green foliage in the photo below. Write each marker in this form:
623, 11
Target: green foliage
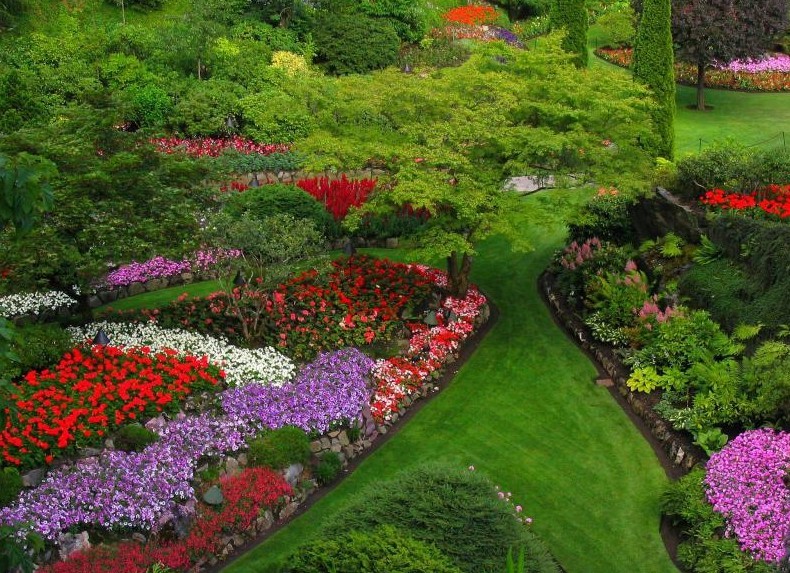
707, 252
434, 53
144, 4
232, 162
408, 18
21, 100
149, 105
571, 15
454, 509
268, 200
275, 117
327, 468
766, 376
18, 550
383, 549
353, 44
37, 347
619, 27
134, 438
280, 448
710, 439
26, 190
207, 108
654, 65
605, 216
705, 549
644, 379
615, 296
672, 245
10, 485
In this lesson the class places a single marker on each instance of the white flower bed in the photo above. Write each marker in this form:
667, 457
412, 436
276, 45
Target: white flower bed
34, 303
241, 365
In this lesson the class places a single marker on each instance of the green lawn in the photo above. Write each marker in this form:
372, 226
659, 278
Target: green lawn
160, 298
524, 410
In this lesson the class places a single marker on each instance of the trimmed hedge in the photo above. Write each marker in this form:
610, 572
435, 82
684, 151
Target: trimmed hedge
355, 44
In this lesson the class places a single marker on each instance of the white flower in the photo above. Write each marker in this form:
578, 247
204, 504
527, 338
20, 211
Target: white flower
33, 303
241, 365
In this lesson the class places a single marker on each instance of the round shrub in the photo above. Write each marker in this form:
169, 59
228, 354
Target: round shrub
263, 202
354, 44
10, 485
328, 468
454, 509
382, 550
280, 448
38, 347
134, 438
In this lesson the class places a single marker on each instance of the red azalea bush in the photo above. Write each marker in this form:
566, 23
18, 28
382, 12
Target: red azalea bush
92, 391
472, 15
338, 195
770, 200
247, 495
211, 147
714, 78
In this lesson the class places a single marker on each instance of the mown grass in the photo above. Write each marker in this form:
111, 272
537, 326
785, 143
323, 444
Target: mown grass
524, 410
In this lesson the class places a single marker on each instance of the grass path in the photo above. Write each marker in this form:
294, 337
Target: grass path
524, 410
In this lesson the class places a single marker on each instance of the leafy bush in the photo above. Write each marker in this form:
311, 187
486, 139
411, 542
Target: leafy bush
233, 162
149, 105
408, 18
10, 485
384, 549
619, 26
207, 108
268, 200
327, 468
353, 44
145, 4
704, 547
606, 217
454, 509
134, 438
274, 116
38, 347
440, 52
280, 448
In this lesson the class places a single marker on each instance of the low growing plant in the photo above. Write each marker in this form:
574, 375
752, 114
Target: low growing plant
280, 448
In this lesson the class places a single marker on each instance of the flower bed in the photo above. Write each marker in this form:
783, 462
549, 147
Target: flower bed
471, 15
770, 74
91, 392
338, 195
34, 303
771, 200
746, 482
241, 365
160, 267
210, 147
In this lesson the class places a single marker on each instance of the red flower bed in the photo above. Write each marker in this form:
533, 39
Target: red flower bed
93, 391
210, 147
338, 195
247, 495
473, 15
771, 200
714, 78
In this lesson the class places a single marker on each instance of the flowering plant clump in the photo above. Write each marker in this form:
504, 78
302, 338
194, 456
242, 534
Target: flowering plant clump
138, 490
429, 348
575, 255
34, 303
241, 365
333, 387
160, 267
771, 200
338, 195
769, 74
292, 64
471, 15
746, 484
210, 147
92, 391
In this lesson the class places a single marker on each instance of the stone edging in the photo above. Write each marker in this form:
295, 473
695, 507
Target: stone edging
676, 447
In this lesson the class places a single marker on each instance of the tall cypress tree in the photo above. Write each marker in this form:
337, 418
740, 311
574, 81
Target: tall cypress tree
572, 16
654, 65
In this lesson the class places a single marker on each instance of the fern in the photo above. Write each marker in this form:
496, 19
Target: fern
707, 252
744, 332
672, 246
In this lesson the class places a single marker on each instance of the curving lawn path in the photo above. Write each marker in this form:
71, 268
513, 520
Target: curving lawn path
525, 411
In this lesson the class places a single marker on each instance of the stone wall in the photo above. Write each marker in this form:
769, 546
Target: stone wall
654, 216
677, 445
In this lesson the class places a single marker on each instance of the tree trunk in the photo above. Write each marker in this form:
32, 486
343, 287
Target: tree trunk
458, 275
701, 86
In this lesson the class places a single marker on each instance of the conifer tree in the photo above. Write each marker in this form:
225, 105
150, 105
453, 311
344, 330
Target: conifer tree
572, 16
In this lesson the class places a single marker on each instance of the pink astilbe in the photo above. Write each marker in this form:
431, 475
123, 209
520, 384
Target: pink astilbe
575, 254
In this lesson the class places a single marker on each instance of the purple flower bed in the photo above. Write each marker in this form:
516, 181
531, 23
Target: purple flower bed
137, 490
333, 387
769, 63
745, 483
160, 267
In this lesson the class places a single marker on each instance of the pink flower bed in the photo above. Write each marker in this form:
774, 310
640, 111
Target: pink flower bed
210, 147
746, 483
429, 348
769, 63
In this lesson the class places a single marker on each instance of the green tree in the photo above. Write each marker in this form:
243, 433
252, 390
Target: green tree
571, 15
654, 65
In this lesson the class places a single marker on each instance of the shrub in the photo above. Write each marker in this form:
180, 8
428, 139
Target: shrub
10, 485
40, 346
619, 26
385, 549
280, 448
275, 117
454, 509
572, 16
234, 162
327, 468
408, 18
606, 217
268, 200
149, 105
134, 438
353, 44
208, 108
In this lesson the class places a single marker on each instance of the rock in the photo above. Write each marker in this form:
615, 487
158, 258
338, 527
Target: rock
109, 444
89, 452
393, 419
108, 296
238, 540
232, 467
242, 458
135, 289
679, 456
392, 243
72, 542
325, 443
349, 452
265, 521
155, 284
33, 477
187, 278
139, 538
315, 446
529, 183
343, 437
293, 472
336, 448
213, 496
94, 301
605, 382
334, 434
289, 510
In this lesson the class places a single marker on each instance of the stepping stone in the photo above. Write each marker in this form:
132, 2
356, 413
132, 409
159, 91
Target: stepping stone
605, 382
